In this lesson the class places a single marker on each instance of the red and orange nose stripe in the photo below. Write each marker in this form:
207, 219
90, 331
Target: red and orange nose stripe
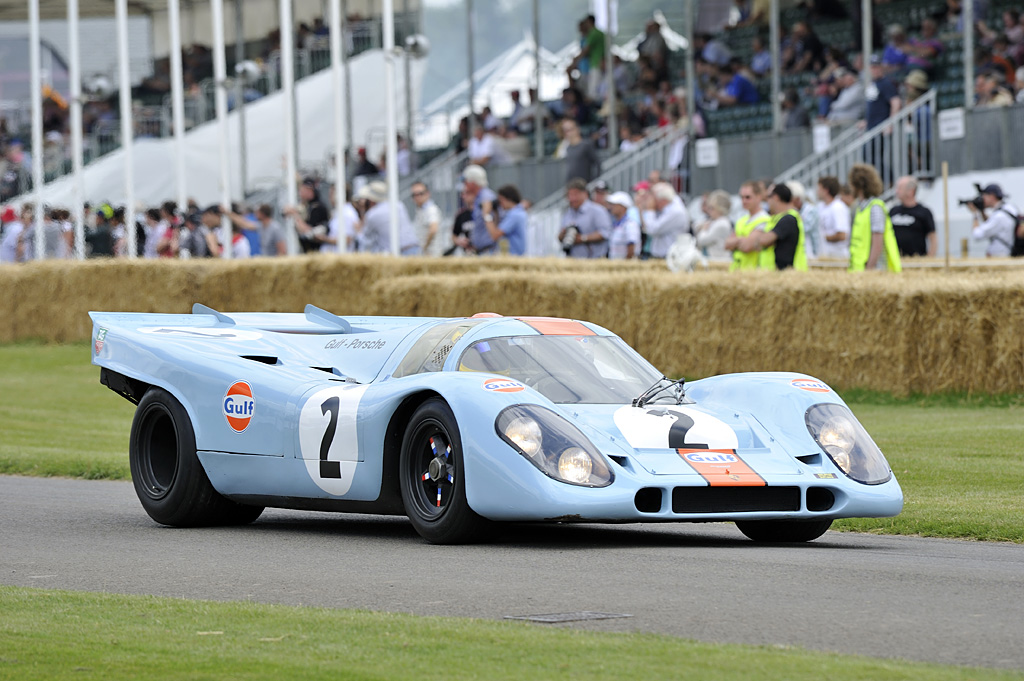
721, 467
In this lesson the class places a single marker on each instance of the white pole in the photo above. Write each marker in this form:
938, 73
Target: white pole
178, 104
538, 115
75, 75
392, 123
127, 139
36, 90
339, 113
967, 17
220, 77
288, 88
609, 65
776, 85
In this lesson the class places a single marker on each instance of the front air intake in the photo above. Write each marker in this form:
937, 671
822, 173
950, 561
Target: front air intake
734, 499
820, 499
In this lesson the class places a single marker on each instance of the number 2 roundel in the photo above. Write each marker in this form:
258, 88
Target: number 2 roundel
327, 437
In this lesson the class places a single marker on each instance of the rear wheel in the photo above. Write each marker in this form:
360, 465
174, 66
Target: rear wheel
784, 530
432, 477
169, 480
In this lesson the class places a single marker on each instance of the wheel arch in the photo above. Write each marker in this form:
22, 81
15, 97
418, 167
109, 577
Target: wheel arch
390, 486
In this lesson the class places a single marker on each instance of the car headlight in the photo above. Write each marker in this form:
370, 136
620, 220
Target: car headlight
554, 445
840, 435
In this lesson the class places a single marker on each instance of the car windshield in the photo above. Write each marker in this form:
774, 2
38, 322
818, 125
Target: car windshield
566, 369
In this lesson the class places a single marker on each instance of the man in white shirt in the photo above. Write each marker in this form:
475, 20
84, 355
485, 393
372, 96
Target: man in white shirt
482, 148
1001, 225
427, 221
834, 221
665, 218
376, 232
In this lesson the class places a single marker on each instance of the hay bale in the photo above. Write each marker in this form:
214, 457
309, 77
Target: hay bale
924, 331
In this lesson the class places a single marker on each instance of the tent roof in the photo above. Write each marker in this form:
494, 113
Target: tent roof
58, 9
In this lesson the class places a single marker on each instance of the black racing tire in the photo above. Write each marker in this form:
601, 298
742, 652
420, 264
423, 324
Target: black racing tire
432, 476
784, 531
168, 477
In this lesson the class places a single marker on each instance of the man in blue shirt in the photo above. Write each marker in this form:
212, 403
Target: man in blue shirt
484, 211
740, 89
513, 221
586, 225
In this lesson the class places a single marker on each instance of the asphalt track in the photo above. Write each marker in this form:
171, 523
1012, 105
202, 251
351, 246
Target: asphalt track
953, 602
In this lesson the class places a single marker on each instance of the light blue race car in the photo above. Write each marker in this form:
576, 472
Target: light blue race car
461, 423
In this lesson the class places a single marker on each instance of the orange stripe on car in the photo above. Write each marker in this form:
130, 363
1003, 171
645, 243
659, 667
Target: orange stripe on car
721, 467
555, 326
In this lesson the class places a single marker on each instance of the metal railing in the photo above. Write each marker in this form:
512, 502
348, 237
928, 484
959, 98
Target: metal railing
904, 144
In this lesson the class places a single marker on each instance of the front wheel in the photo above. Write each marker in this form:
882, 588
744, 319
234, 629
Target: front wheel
433, 480
784, 530
169, 480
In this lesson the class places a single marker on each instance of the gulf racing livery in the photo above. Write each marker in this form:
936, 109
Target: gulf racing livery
462, 423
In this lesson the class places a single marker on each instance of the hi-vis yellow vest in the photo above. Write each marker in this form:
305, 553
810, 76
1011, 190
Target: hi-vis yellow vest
744, 227
860, 240
767, 259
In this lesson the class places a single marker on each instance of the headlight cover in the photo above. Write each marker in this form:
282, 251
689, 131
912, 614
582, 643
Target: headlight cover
840, 435
554, 445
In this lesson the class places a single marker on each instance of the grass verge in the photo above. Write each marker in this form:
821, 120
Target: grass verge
958, 457
56, 635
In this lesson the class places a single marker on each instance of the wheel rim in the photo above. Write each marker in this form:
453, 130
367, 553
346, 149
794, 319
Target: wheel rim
432, 470
158, 453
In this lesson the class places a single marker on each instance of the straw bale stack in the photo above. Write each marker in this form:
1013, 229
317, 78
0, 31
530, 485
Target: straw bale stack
923, 331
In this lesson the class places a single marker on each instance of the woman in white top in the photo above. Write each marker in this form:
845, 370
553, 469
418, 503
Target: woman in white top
711, 235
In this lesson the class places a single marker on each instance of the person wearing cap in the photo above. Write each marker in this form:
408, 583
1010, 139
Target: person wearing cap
513, 220
781, 244
12, 231
713, 232
883, 98
1000, 227
588, 224
744, 255
848, 105
872, 239
665, 218
376, 230
195, 240
808, 215
312, 222
624, 242
913, 223
483, 201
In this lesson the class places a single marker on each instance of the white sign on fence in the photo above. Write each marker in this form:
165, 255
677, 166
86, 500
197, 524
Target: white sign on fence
707, 152
822, 137
952, 125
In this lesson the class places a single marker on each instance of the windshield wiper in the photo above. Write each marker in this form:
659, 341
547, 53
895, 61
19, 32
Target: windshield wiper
659, 387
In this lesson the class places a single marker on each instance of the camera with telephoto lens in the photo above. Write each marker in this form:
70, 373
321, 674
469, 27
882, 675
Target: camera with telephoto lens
569, 238
978, 201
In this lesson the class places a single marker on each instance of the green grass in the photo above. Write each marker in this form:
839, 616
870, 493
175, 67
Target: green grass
55, 635
958, 457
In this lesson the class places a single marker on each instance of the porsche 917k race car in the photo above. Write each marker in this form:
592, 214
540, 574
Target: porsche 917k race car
460, 423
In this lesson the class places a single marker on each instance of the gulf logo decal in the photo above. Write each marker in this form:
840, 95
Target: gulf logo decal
503, 385
810, 385
721, 468
239, 406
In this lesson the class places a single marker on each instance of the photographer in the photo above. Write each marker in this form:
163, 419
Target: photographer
999, 227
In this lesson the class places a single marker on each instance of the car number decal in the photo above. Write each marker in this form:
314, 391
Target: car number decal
721, 467
673, 427
328, 440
